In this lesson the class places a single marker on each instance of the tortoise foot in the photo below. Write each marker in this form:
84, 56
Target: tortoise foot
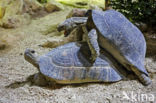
145, 80
39, 80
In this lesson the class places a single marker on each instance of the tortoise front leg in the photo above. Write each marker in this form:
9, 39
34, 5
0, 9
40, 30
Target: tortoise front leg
91, 39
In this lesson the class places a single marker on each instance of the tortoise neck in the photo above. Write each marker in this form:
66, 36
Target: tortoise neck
35, 62
31, 57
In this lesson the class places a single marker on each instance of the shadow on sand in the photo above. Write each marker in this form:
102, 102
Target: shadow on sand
52, 86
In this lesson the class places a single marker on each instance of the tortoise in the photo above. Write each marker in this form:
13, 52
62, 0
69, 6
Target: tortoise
68, 63
112, 31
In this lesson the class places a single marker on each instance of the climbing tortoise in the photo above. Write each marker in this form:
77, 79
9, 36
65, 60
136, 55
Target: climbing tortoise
113, 32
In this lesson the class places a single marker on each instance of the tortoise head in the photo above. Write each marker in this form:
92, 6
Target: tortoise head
31, 57
67, 26
70, 24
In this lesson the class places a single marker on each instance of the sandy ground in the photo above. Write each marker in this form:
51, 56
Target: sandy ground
16, 73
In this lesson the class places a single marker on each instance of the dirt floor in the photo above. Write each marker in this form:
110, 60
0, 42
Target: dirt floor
16, 74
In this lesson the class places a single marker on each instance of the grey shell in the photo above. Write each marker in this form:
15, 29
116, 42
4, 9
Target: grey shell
66, 62
121, 35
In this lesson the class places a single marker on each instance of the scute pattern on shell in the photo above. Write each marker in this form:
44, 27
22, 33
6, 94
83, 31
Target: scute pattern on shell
67, 63
122, 35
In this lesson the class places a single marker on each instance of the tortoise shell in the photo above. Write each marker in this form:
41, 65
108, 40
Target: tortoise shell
119, 37
67, 64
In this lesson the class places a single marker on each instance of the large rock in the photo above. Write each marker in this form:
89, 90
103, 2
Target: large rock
31, 6
57, 41
12, 9
52, 5
77, 13
60, 40
81, 12
14, 13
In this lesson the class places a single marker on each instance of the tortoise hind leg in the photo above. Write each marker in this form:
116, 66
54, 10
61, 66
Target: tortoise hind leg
144, 79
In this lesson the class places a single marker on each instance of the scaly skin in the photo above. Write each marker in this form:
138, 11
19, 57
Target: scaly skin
32, 58
71, 23
90, 37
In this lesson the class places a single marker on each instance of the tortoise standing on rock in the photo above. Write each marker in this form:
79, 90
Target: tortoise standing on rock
116, 34
68, 64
